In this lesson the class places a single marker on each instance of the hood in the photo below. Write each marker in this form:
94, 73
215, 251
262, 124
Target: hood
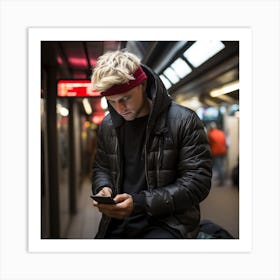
156, 91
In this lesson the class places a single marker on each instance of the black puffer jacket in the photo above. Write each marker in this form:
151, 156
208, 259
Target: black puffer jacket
177, 161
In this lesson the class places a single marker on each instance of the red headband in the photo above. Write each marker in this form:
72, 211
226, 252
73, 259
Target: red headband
139, 76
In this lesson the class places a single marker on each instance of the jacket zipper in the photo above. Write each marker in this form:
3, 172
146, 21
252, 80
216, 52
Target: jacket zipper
146, 160
119, 168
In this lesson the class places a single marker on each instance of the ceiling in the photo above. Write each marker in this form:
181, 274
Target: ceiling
75, 60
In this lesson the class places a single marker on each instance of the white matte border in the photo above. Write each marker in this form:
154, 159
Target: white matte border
36, 35
262, 17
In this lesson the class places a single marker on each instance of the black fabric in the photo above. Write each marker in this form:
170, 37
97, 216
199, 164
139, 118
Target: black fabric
128, 228
215, 230
134, 133
138, 203
156, 232
140, 227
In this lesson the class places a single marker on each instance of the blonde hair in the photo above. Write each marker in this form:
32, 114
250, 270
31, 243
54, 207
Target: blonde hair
114, 68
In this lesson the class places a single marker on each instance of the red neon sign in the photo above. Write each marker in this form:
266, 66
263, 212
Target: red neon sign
76, 88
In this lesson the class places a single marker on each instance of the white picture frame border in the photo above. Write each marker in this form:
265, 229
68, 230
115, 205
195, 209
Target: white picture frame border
262, 260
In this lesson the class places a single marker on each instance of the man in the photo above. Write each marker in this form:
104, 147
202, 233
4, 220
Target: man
218, 144
152, 156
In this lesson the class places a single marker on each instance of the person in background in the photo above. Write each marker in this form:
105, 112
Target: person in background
217, 141
152, 156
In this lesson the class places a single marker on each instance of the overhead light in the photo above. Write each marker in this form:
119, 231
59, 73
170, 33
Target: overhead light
171, 75
201, 51
226, 98
64, 112
225, 89
87, 106
209, 102
181, 67
165, 81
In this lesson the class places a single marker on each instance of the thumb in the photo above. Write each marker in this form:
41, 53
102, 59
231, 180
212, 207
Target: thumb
121, 197
105, 192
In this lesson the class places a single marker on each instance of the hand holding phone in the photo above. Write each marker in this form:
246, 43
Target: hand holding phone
120, 207
103, 199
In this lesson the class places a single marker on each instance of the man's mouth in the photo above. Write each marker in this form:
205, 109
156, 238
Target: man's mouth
125, 114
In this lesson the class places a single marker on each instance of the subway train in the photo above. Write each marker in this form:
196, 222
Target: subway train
201, 75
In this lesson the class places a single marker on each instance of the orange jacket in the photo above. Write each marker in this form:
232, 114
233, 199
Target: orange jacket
217, 141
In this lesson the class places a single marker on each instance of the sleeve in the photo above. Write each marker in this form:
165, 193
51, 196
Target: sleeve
138, 203
194, 172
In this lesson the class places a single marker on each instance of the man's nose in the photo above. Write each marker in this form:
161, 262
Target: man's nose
120, 107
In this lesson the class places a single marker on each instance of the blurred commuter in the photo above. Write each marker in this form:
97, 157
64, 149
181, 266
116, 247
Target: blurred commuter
217, 141
152, 155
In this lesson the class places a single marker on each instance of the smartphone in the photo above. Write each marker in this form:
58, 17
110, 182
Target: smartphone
103, 199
